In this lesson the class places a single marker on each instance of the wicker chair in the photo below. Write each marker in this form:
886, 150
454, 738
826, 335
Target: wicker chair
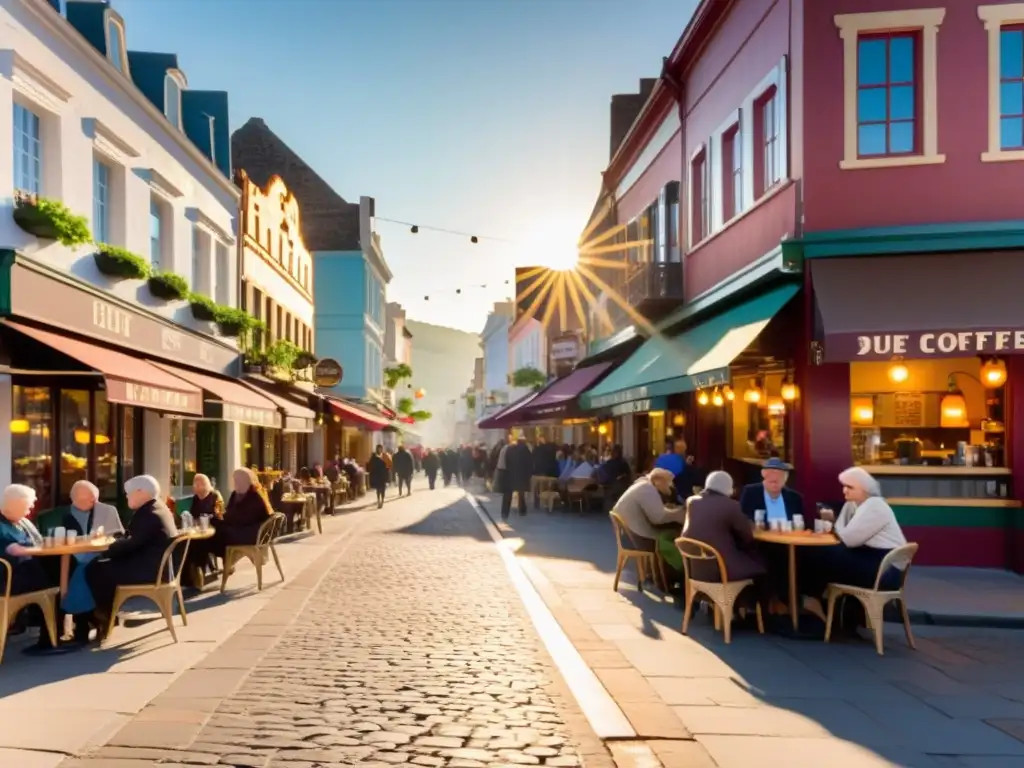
875, 600
162, 592
647, 563
256, 553
723, 594
11, 606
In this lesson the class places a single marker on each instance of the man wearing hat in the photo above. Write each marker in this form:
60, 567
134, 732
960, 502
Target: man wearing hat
771, 494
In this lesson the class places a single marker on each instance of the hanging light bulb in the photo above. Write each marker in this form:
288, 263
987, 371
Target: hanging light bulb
702, 398
603, 429
993, 373
752, 394
474, 239
953, 408
898, 372
789, 390
729, 394
716, 398
414, 229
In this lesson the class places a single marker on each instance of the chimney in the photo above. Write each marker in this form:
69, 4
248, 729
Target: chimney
625, 108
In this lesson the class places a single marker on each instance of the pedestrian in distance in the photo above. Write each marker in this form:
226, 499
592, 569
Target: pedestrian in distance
378, 472
516, 480
403, 465
431, 464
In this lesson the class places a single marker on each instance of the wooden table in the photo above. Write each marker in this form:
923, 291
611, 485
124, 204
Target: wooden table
791, 540
299, 503
82, 546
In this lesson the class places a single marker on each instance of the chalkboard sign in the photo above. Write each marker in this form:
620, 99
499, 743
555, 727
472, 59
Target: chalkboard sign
909, 409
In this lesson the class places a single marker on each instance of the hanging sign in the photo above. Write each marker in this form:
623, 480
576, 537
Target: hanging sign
328, 373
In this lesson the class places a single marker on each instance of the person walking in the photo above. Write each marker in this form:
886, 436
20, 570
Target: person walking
430, 466
518, 468
378, 472
404, 466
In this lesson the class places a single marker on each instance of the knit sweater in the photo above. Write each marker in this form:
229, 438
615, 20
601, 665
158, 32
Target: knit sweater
872, 523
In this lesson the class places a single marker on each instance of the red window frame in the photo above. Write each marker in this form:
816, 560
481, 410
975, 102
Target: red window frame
767, 165
732, 172
1019, 81
700, 204
888, 85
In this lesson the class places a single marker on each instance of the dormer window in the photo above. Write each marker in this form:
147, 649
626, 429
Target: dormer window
115, 44
172, 98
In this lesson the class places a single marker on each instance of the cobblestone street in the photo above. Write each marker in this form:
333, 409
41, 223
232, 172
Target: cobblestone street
414, 648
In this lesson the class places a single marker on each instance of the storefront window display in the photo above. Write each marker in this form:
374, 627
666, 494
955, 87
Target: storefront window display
183, 456
756, 415
260, 447
31, 442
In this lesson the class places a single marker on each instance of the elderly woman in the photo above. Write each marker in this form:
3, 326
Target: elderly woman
206, 500
17, 535
136, 558
247, 509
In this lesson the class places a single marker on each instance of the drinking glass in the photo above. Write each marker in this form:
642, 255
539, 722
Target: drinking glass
798, 522
759, 518
787, 526
819, 526
204, 522
72, 537
775, 525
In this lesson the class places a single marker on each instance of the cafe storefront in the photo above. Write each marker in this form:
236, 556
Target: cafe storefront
95, 388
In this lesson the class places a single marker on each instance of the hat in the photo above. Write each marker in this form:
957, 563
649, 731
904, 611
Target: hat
776, 463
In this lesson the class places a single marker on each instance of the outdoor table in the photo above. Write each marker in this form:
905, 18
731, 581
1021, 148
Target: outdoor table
299, 503
791, 540
322, 492
65, 552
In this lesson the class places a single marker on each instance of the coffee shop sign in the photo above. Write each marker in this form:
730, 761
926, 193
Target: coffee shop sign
947, 343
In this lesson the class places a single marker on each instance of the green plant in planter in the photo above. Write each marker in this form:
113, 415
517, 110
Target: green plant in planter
168, 286
282, 353
50, 220
203, 307
120, 263
235, 322
529, 377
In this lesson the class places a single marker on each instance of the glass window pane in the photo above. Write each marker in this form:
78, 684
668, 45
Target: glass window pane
106, 447
75, 435
188, 454
1011, 133
901, 137
1011, 53
871, 140
248, 437
114, 41
128, 422
901, 60
871, 105
901, 102
31, 444
176, 465
154, 232
269, 452
1011, 98
871, 54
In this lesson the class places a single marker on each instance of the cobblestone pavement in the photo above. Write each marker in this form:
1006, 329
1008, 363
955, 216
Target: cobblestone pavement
414, 648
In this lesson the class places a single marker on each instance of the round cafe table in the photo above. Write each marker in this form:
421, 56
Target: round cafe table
791, 540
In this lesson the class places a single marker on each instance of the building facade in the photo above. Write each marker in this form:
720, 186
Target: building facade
123, 217
496, 357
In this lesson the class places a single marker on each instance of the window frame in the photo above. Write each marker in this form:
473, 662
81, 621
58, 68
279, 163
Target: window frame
887, 87
732, 172
995, 19
116, 25
101, 208
852, 27
25, 156
700, 196
174, 76
1018, 81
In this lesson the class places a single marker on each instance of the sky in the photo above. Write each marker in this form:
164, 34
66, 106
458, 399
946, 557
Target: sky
486, 117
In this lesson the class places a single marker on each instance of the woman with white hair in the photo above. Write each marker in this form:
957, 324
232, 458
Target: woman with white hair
17, 535
247, 509
136, 558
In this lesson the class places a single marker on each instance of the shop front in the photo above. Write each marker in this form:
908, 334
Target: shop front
80, 400
350, 429
925, 387
285, 446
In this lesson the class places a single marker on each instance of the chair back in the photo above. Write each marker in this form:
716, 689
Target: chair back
691, 549
898, 555
623, 536
167, 563
9, 581
271, 529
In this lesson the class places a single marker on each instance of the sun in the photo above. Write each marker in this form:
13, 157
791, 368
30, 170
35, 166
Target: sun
553, 244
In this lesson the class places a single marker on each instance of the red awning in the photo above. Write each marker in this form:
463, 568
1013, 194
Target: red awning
236, 401
130, 381
347, 412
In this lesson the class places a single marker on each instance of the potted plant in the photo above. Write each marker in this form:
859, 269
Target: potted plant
254, 361
203, 307
235, 322
168, 286
120, 263
304, 360
50, 220
529, 377
282, 354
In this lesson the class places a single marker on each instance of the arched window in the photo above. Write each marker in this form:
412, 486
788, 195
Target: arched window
115, 44
172, 99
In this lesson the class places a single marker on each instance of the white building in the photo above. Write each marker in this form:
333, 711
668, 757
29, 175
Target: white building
495, 346
118, 138
528, 348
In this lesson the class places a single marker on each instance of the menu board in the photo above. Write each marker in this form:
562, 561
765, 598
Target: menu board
909, 409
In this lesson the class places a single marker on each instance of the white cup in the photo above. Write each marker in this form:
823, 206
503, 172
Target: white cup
71, 537
827, 526
819, 526
59, 534
798, 522
787, 526
775, 525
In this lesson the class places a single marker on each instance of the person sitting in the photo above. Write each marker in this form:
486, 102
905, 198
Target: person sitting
586, 469
614, 476
247, 509
642, 507
714, 518
680, 464
136, 558
771, 494
17, 536
206, 502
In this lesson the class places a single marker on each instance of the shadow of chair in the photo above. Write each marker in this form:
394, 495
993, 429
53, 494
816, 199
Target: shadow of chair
647, 562
12, 605
256, 553
161, 592
722, 593
875, 600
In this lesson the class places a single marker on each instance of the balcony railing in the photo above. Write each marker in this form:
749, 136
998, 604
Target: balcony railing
654, 281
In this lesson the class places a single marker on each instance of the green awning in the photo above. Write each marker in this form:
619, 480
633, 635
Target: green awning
695, 359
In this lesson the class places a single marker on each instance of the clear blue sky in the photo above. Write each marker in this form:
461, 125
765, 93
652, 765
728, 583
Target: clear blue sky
482, 116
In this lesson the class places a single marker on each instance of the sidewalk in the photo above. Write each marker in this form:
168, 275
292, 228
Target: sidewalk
957, 701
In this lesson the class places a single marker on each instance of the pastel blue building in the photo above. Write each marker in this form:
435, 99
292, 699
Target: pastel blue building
349, 292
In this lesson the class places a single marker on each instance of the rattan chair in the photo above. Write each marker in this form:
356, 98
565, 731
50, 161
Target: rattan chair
11, 606
162, 592
647, 563
256, 553
875, 600
723, 594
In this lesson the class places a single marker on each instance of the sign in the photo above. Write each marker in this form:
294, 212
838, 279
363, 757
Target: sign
918, 344
328, 373
244, 414
640, 406
159, 398
297, 424
908, 410
81, 311
565, 348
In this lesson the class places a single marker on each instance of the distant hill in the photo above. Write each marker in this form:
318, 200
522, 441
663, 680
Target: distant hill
442, 364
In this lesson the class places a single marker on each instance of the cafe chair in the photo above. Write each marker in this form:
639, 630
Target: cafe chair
12, 605
723, 594
875, 600
161, 592
647, 563
256, 553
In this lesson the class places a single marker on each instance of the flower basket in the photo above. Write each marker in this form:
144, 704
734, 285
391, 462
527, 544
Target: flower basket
50, 220
168, 286
203, 309
120, 264
32, 221
257, 368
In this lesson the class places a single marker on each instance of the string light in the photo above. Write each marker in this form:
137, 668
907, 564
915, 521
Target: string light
415, 230
458, 291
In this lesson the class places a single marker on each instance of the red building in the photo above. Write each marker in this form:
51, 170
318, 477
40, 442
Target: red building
849, 245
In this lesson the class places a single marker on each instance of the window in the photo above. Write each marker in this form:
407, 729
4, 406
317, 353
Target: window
172, 100
197, 259
887, 104
700, 212
769, 119
890, 88
672, 227
27, 151
732, 173
100, 202
31, 441
155, 231
105, 434
757, 430
1011, 89
183, 456
115, 44
223, 287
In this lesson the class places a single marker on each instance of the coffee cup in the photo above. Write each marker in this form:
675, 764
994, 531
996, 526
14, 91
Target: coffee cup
798, 522
59, 534
775, 525
72, 536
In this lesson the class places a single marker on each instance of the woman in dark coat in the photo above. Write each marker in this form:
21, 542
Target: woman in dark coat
379, 474
136, 558
430, 466
239, 524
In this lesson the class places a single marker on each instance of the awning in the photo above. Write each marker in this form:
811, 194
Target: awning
922, 306
697, 358
297, 418
558, 398
349, 413
500, 420
129, 380
233, 401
